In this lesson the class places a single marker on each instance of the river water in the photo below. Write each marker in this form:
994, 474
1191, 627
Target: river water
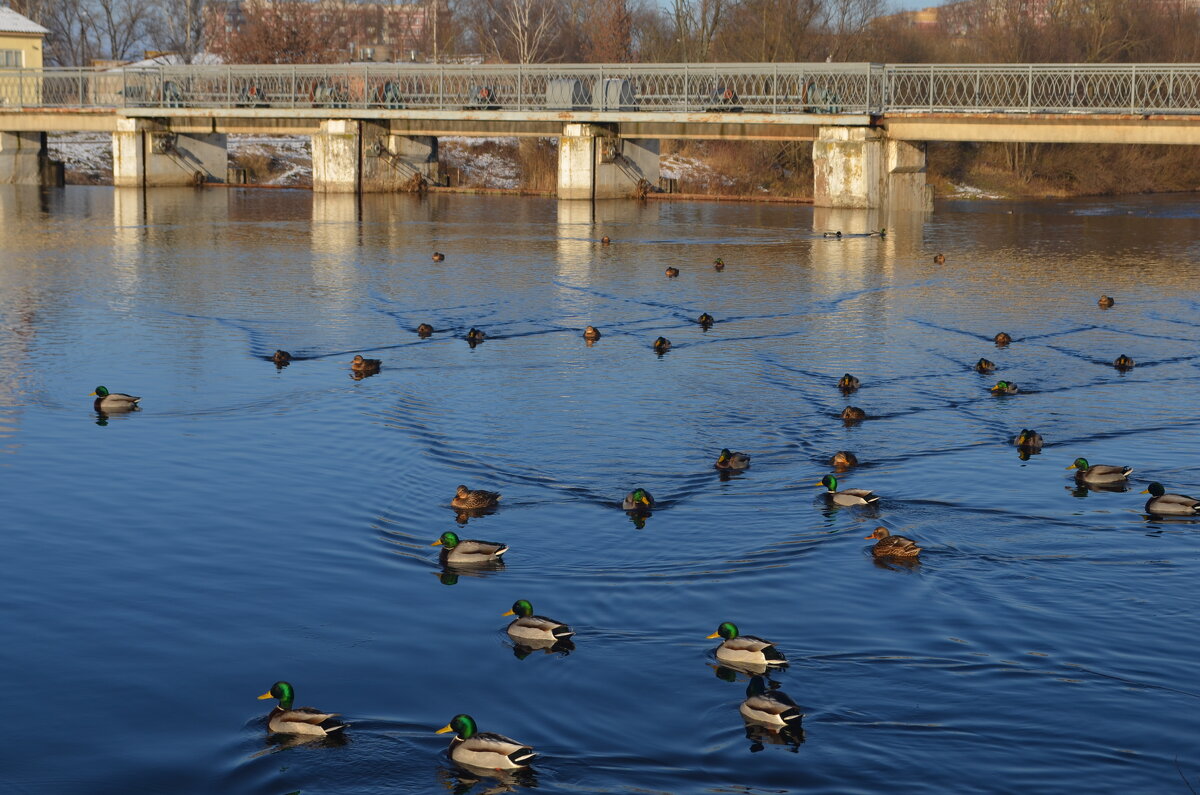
249, 524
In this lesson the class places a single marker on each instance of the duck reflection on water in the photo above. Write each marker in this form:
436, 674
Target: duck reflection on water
464, 780
526, 646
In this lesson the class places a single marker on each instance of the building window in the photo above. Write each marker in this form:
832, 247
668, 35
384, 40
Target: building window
11, 58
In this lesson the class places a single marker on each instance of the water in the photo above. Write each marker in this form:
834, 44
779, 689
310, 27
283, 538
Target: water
249, 524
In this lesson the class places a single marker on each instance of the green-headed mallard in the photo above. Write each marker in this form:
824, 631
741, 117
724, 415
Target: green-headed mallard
718, 264
485, 750
281, 357
638, 500
939, 259
477, 498
1098, 473
984, 366
705, 320
286, 719
113, 401
890, 546
838, 233
730, 460
1002, 339
591, 333
853, 414
1123, 362
458, 551
1004, 388
424, 330
848, 383
769, 707
1165, 504
738, 648
846, 496
672, 273
529, 627
360, 365
1028, 440
438, 256
1105, 302
662, 345
843, 460
475, 335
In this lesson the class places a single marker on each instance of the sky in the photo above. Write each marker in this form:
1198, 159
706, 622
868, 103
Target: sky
908, 5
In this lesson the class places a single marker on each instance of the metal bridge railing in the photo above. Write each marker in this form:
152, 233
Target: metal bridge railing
856, 88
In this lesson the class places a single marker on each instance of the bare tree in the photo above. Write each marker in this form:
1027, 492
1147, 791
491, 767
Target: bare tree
609, 33
121, 25
517, 31
73, 36
180, 27
288, 31
696, 24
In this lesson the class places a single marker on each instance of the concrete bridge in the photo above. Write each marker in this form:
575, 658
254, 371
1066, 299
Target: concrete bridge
374, 127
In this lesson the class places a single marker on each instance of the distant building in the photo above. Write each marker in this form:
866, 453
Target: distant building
20, 41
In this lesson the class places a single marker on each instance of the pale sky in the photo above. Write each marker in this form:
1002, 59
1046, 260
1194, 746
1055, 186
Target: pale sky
908, 5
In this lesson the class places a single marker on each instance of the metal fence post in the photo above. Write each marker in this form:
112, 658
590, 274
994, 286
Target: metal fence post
1029, 91
775, 89
441, 87
21, 87
931, 88
1133, 88
293, 85
687, 91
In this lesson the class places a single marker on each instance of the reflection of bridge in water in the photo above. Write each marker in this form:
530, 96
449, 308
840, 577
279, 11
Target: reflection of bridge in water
376, 126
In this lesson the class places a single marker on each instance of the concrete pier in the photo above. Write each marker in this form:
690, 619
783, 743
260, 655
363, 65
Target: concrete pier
24, 160
364, 156
861, 168
593, 163
145, 154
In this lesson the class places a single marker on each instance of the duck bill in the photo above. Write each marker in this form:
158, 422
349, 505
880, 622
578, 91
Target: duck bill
265, 695
1147, 491
444, 729
1072, 467
437, 543
644, 500
714, 635
92, 394
509, 613
868, 538
818, 483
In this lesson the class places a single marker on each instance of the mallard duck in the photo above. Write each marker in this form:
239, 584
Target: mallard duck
718, 264
591, 333
485, 750
527, 626
1165, 504
853, 414
475, 335
728, 460
424, 330
848, 383
890, 546
478, 498
1105, 302
438, 256
1123, 362
638, 500
939, 259
846, 496
843, 459
1028, 440
833, 234
1004, 388
672, 273
768, 707
705, 320
360, 365
281, 357
737, 648
1098, 473
984, 366
113, 401
286, 719
604, 241
662, 345
1002, 339
466, 550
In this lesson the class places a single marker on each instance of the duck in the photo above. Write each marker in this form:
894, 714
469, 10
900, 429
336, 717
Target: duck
672, 273
843, 460
1004, 388
1165, 504
769, 707
281, 357
939, 259
1002, 339
286, 719
360, 365
475, 335
604, 241
662, 345
705, 320
1105, 302
728, 460
848, 383
718, 264
1098, 473
485, 750
1123, 363
847, 496
890, 546
738, 648
438, 256
457, 550
838, 233
424, 330
984, 366
591, 333
881, 233
853, 414
638, 500
528, 627
113, 401
477, 498
1028, 440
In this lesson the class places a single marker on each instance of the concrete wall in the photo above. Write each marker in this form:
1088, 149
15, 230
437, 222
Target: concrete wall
145, 155
859, 167
22, 158
593, 163
352, 156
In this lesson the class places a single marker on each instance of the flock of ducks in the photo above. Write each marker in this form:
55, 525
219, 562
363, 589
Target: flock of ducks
764, 706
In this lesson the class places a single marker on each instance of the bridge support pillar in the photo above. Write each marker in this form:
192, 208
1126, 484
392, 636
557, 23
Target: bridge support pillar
147, 154
352, 156
861, 168
24, 160
593, 163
